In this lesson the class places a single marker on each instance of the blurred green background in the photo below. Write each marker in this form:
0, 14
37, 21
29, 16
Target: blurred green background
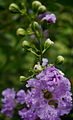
15, 62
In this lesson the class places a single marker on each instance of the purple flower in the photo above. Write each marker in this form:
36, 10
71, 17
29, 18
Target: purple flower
48, 99
44, 62
38, 66
49, 18
21, 96
42, 15
8, 102
27, 114
33, 82
50, 95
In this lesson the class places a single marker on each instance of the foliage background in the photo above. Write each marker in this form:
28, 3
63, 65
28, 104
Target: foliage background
15, 62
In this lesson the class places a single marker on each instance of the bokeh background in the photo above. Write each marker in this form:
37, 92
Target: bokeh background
15, 62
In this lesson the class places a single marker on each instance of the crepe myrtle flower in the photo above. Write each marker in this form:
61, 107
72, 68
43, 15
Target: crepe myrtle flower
44, 62
48, 99
39, 67
20, 97
51, 18
50, 96
27, 114
8, 102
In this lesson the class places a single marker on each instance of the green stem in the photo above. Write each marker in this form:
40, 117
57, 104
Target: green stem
41, 55
45, 50
39, 40
33, 52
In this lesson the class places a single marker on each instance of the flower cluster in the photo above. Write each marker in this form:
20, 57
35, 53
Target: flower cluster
48, 99
8, 102
50, 94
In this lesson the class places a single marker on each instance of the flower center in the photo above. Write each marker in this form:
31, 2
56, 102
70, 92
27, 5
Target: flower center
47, 95
38, 118
53, 102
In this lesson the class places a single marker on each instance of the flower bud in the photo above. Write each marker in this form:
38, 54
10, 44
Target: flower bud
35, 5
38, 68
25, 44
60, 59
48, 43
20, 31
41, 9
22, 78
14, 8
35, 25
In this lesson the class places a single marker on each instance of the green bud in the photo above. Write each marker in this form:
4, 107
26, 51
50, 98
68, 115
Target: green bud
25, 44
41, 9
38, 68
48, 43
14, 8
60, 59
35, 25
35, 5
29, 31
21, 32
22, 78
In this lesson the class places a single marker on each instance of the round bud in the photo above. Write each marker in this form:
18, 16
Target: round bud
48, 43
25, 44
60, 59
22, 78
14, 8
38, 68
20, 31
35, 25
41, 9
35, 5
